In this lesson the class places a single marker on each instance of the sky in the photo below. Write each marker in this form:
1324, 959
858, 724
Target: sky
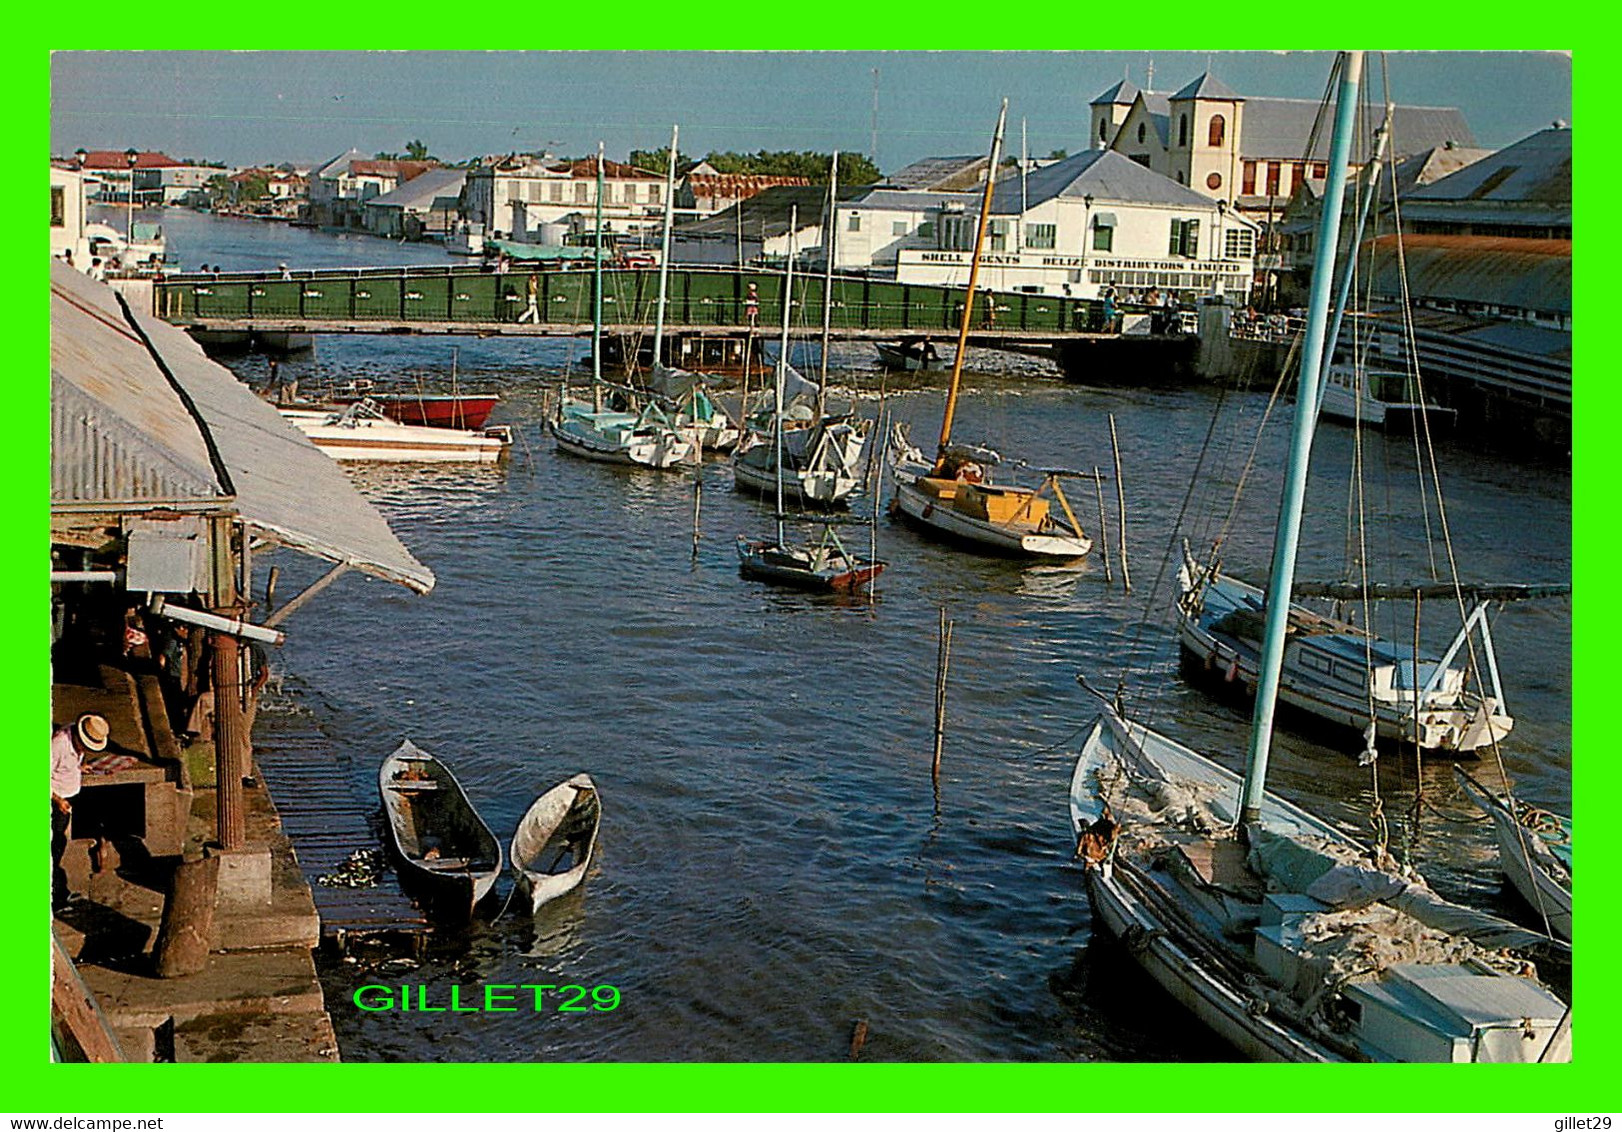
252, 107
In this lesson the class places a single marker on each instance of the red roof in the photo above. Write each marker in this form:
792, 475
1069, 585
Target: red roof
737, 186
118, 159
404, 170
587, 167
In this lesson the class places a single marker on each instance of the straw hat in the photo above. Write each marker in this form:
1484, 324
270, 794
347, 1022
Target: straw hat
92, 730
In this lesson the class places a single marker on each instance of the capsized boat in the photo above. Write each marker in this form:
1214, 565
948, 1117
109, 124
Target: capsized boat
446, 851
1534, 850
1283, 935
1334, 670
953, 497
555, 839
362, 431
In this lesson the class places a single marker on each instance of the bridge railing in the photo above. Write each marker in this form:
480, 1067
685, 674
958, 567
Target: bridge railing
697, 298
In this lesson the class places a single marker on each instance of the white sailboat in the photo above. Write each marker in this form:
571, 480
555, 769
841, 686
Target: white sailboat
954, 497
1534, 850
646, 437
1283, 935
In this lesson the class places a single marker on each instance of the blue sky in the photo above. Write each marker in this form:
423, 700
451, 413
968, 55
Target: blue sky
247, 107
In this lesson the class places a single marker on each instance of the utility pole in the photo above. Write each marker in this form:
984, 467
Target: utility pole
873, 141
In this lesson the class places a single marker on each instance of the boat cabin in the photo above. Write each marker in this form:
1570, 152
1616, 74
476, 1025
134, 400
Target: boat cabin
1345, 659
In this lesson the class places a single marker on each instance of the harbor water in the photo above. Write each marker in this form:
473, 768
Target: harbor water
774, 864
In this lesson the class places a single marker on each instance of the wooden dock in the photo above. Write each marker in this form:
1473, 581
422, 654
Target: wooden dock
313, 781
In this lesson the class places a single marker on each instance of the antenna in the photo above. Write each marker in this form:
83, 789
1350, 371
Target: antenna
873, 142
1149, 83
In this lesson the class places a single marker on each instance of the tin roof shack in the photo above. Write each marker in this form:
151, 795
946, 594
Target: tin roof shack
165, 472
757, 230
422, 208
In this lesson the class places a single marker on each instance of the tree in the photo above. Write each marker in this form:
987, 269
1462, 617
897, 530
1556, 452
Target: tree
854, 169
1058, 154
658, 160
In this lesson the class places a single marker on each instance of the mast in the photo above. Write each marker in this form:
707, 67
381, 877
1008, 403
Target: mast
782, 363
1344, 294
828, 237
664, 253
597, 297
1306, 417
968, 299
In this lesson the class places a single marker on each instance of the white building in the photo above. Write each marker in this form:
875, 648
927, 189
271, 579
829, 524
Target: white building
1093, 220
872, 230
67, 216
513, 197
340, 188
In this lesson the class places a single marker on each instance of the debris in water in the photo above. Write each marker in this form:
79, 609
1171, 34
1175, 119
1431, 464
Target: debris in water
361, 870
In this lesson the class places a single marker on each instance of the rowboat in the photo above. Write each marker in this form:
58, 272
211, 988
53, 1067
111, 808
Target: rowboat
1534, 850
825, 567
432, 410
552, 847
446, 851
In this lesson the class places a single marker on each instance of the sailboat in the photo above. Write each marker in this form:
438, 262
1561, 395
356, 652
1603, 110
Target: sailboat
694, 413
824, 565
646, 437
954, 498
1286, 937
823, 451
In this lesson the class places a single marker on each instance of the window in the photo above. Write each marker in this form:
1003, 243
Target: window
999, 235
1320, 170
1042, 236
1103, 129
1185, 238
1219, 131
855, 224
1214, 181
1182, 129
557, 192
1142, 159
1248, 185
59, 206
1141, 135
926, 230
1179, 176
1238, 243
1103, 238
1273, 169
1298, 174
898, 228
580, 192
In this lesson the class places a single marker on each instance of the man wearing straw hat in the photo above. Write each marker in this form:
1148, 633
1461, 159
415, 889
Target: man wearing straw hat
69, 745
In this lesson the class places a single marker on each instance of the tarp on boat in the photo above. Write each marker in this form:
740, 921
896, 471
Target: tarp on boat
142, 419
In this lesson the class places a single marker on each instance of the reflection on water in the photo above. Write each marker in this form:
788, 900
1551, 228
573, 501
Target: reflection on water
774, 861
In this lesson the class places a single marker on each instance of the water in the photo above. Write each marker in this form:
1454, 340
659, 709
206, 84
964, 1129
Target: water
774, 864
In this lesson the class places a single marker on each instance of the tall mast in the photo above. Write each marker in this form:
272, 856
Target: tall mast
974, 278
829, 232
597, 297
1344, 294
782, 362
1306, 417
664, 253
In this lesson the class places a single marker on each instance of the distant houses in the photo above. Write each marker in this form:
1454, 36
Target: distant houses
540, 199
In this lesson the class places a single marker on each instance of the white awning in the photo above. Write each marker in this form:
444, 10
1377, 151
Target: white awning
137, 425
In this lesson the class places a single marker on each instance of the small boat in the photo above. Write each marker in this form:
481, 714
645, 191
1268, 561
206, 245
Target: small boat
1333, 670
823, 567
362, 431
910, 355
446, 850
1534, 850
952, 497
552, 847
823, 462
1377, 399
438, 410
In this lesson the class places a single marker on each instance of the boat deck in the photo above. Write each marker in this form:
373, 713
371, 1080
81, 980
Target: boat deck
327, 822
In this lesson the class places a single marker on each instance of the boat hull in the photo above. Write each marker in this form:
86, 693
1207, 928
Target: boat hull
375, 439
766, 562
934, 517
435, 410
661, 451
447, 855
564, 820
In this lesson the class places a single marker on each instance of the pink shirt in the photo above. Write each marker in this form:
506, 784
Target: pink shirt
65, 778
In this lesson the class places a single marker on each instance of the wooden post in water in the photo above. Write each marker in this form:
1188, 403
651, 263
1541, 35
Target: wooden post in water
698, 495
943, 664
1103, 524
1120, 503
270, 587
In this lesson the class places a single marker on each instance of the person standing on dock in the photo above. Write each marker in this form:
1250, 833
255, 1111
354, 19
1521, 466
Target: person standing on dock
751, 306
70, 744
532, 312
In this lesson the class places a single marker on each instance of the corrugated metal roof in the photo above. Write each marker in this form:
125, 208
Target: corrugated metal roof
122, 436
1535, 170
1104, 175
899, 200
939, 172
1527, 274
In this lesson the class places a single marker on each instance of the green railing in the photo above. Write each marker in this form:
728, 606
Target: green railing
698, 297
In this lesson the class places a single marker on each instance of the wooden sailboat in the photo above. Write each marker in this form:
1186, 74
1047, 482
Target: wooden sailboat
1534, 850
555, 840
1284, 936
954, 498
446, 851
646, 437
824, 565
